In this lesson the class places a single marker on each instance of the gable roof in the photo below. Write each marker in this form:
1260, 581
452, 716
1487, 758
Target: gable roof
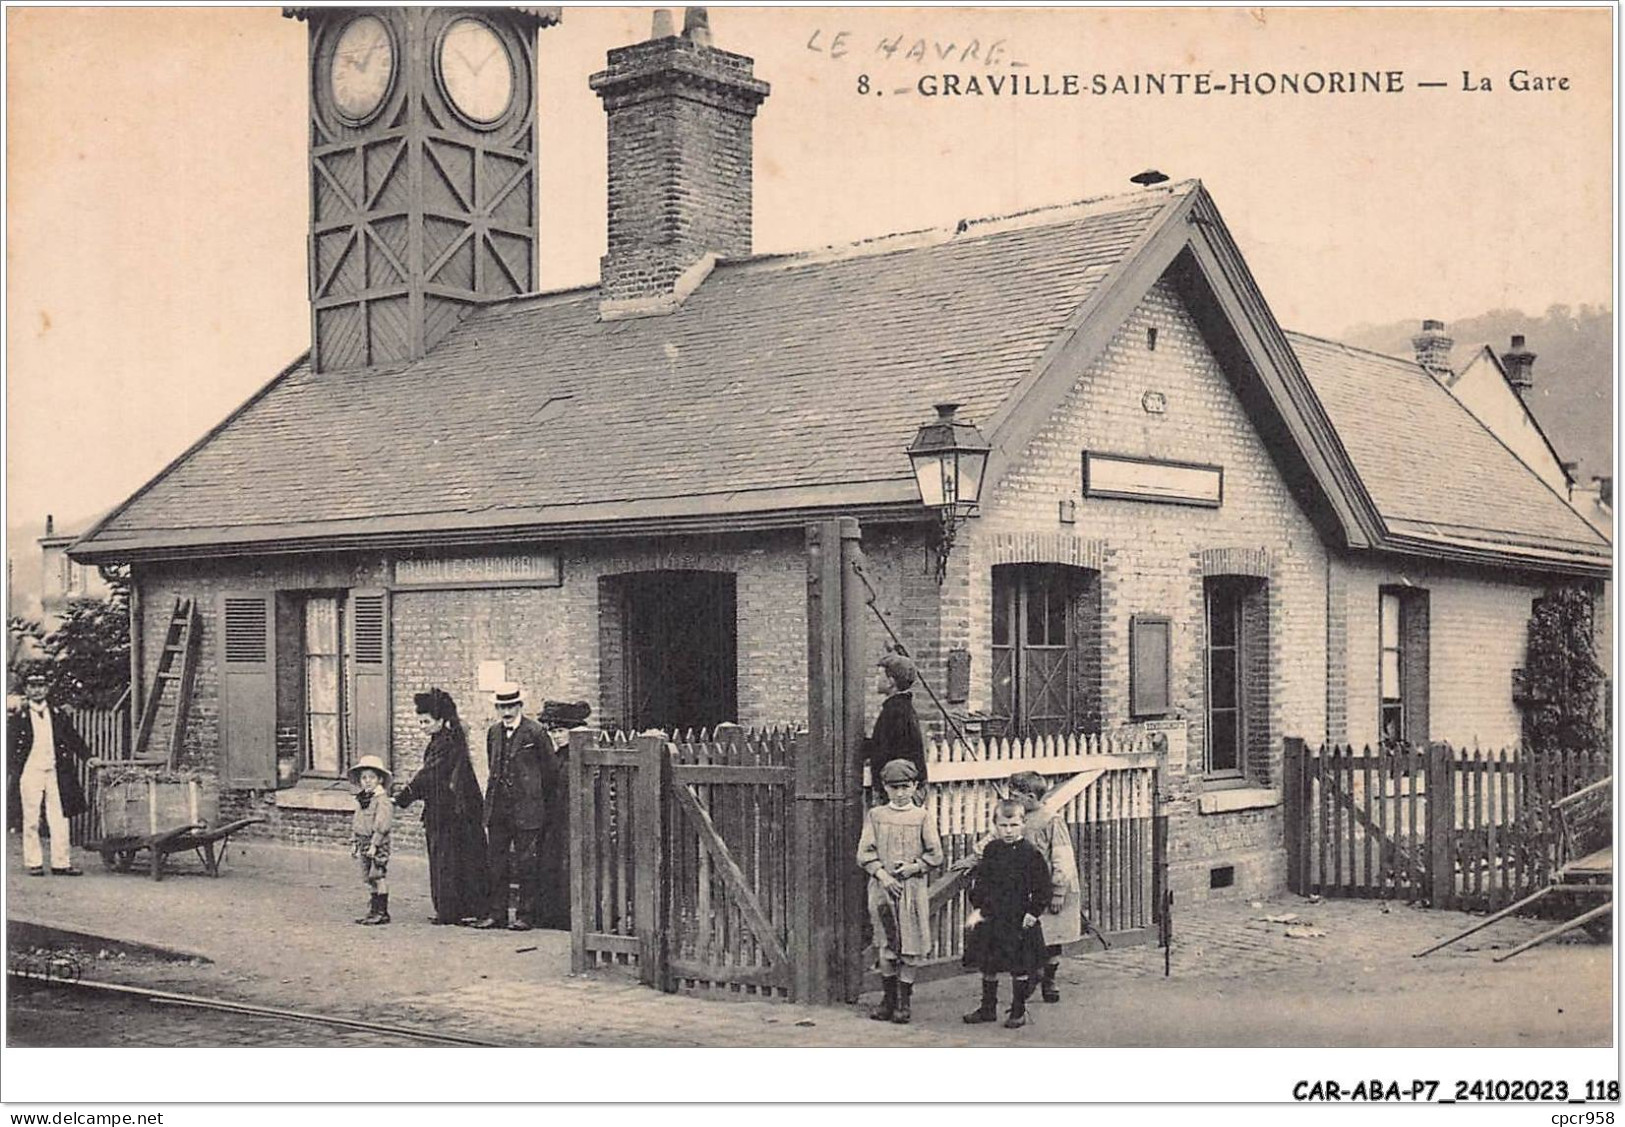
782, 387
1435, 471
1487, 355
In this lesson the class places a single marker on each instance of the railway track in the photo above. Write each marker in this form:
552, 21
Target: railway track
246, 1009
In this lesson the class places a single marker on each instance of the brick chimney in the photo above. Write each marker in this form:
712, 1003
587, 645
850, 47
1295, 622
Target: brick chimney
1433, 347
680, 113
1519, 363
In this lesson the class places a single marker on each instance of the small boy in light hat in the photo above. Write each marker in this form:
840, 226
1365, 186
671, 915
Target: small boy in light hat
898, 849
370, 833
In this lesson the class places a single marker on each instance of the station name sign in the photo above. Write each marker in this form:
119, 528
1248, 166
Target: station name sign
530, 569
1150, 479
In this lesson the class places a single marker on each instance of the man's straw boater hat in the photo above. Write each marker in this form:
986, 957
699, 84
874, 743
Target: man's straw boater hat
509, 693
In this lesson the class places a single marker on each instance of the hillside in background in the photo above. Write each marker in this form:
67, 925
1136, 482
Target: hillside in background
1573, 396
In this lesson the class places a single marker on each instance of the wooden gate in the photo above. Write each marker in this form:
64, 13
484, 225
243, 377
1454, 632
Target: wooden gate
1105, 788
680, 858
1460, 829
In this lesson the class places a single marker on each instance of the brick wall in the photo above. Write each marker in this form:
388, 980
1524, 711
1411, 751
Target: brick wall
1153, 559
552, 640
1478, 626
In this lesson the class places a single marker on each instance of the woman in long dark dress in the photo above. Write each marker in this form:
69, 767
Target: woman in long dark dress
453, 812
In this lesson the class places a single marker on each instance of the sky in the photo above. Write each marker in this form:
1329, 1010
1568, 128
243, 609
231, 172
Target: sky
157, 188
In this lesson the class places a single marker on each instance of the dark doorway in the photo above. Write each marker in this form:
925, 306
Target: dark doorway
679, 634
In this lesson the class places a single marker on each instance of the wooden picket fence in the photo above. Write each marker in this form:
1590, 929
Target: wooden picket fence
683, 848
1111, 810
1458, 828
107, 732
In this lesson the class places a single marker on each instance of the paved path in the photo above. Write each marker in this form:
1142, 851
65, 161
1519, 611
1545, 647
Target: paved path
282, 934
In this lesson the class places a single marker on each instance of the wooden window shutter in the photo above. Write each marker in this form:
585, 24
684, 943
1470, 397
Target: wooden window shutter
1148, 665
248, 689
369, 673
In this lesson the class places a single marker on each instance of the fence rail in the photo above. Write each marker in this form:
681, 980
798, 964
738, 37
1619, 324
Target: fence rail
107, 733
1465, 829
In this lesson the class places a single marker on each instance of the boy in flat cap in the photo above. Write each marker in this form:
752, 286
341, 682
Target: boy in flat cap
898, 849
897, 732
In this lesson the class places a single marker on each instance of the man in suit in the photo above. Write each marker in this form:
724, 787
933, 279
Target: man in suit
41, 766
524, 775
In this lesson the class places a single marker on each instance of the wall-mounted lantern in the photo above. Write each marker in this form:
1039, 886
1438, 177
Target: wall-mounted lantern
949, 457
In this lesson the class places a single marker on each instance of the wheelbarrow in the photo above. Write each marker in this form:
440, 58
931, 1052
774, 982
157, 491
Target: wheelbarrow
146, 811
121, 851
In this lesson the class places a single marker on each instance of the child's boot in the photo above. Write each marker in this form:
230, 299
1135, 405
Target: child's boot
888, 1000
1018, 1004
1047, 987
381, 912
372, 911
905, 995
989, 1009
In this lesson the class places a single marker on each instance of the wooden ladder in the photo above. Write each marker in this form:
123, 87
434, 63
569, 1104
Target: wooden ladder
177, 666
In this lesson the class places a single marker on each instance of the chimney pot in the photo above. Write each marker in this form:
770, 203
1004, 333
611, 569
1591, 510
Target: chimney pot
664, 27
49, 523
1433, 347
697, 26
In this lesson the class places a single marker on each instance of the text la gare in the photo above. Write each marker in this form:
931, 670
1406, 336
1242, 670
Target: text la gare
1519, 81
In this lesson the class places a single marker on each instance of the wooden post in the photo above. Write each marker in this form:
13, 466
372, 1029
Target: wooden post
649, 874
848, 767
1292, 794
826, 886
581, 823
1441, 826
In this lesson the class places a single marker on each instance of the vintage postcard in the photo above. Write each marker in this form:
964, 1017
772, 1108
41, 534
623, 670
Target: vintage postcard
1085, 529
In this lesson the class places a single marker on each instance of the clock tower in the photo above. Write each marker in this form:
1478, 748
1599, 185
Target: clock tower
422, 173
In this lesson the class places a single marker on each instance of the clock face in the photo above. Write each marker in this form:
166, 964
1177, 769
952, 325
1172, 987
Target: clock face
476, 70
363, 61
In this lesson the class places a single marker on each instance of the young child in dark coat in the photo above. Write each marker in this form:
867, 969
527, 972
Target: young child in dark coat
1010, 887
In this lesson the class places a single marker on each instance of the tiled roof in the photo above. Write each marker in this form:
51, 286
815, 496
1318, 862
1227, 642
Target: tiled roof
1432, 469
789, 383
785, 371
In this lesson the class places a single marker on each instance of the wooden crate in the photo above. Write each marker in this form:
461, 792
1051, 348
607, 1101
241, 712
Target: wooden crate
141, 807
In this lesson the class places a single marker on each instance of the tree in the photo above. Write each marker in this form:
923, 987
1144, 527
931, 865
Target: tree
1562, 686
88, 656
24, 643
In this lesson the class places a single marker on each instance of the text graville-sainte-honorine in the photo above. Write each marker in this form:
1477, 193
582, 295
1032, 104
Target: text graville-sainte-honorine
1209, 83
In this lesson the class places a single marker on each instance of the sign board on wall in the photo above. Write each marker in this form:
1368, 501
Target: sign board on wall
530, 569
1151, 479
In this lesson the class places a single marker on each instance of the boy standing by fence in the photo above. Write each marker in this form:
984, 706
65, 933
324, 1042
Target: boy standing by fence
898, 849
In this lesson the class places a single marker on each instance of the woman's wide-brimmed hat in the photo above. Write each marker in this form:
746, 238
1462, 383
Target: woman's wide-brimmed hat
369, 761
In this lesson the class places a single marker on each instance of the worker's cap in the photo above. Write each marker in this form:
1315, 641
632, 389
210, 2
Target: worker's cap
899, 771
899, 668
